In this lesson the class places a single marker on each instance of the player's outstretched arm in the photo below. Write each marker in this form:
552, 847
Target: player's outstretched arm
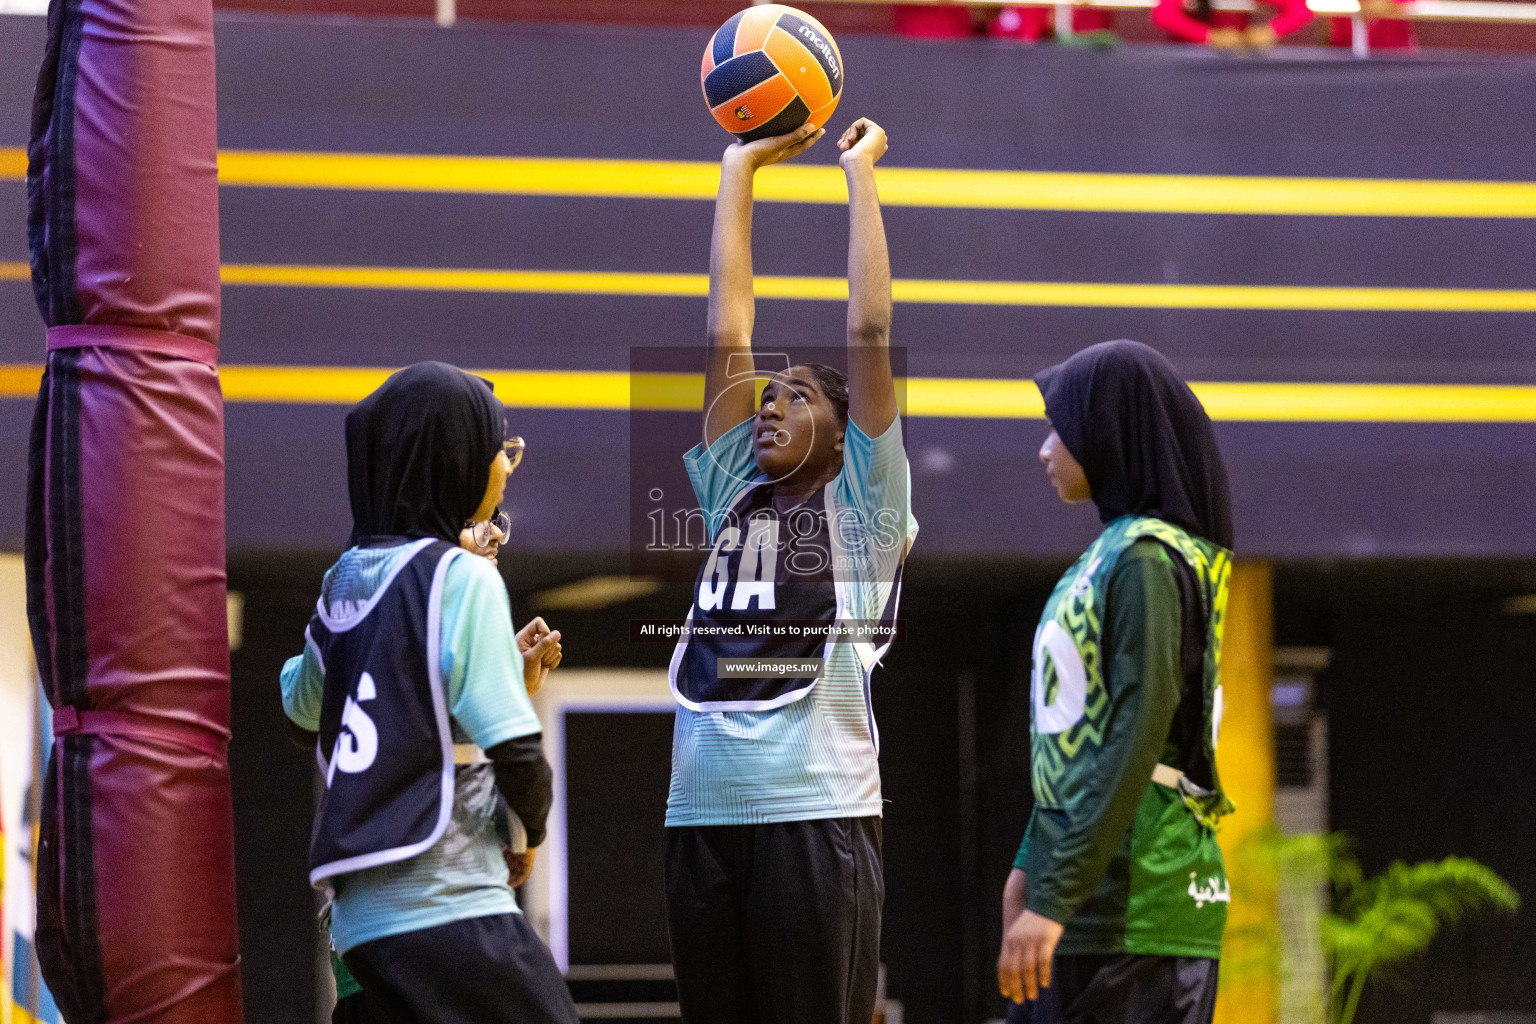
871, 395
730, 276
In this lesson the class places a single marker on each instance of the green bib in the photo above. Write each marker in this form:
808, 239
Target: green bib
1071, 702
1166, 892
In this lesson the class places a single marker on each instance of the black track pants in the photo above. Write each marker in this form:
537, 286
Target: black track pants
776, 923
1115, 989
482, 970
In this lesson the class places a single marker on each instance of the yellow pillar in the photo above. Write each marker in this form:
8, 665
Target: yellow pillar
1250, 989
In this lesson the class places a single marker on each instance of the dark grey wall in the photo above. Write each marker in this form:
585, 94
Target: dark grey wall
1301, 490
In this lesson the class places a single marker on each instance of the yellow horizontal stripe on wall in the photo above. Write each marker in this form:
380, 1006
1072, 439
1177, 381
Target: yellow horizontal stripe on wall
954, 398
973, 398
968, 293
342, 385
1212, 296
899, 186
1090, 294
1369, 403
554, 282
20, 380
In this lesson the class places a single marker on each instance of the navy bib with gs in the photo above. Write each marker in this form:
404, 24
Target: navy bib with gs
386, 745
765, 567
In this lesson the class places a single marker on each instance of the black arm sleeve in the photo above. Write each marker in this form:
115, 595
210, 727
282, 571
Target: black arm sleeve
526, 781
301, 737
1186, 737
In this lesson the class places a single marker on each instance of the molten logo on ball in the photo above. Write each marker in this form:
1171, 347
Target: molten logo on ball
768, 70
825, 49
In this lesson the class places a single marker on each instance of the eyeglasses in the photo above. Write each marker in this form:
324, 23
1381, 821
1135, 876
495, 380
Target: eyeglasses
513, 448
490, 531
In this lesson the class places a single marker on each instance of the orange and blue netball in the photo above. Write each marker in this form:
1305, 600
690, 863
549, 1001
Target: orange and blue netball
768, 70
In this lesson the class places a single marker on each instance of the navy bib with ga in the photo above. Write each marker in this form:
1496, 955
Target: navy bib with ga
386, 745
765, 567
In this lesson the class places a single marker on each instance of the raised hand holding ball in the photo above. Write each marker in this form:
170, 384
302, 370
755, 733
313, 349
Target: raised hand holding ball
776, 148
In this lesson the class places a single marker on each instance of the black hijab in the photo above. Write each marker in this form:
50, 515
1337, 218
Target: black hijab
419, 453
1142, 437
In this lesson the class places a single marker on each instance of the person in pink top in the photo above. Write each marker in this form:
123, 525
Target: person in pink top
1383, 31
1229, 29
1034, 23
925, 22
1023, 23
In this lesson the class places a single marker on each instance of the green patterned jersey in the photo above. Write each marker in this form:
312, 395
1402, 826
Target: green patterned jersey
1126, 864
